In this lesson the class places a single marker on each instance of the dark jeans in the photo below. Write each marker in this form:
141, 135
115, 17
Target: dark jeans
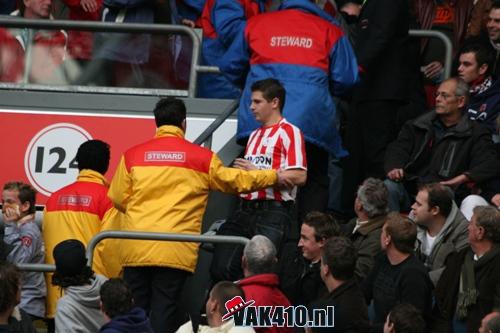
272, 222
157, 290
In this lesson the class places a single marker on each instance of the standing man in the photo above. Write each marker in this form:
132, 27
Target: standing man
162, 185
441, 227
80, 211
493, 27
277, 144
23, 237
313, 64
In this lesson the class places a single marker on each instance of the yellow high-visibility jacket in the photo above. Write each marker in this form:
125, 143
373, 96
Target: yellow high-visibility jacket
162, 185
79, 211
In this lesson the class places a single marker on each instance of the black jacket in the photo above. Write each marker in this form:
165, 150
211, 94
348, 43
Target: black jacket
381, 46
466, 148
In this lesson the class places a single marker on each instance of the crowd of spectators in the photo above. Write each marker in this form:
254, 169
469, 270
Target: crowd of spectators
413, 243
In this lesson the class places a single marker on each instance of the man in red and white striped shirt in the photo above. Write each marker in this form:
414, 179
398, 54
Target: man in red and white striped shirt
278, 145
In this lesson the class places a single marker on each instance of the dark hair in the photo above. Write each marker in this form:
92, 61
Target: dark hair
270, 89
9, 286
482, 53
488, 217
116, 297
495, 5
439, 196
65, 281
223, 291
340, 255
26, 193
406, 319
324, 225
170, 111
403, 232
93, 155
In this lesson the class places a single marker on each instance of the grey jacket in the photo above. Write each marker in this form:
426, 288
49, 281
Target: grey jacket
453, 237
78, 311
26, 243
366, 239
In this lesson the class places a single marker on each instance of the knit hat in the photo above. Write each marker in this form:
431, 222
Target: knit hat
70, 258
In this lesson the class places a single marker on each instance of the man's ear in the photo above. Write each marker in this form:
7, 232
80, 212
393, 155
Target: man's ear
483, 69
184, 125
435, 210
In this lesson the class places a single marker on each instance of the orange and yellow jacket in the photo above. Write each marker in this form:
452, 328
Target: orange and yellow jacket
80, 211
162, 185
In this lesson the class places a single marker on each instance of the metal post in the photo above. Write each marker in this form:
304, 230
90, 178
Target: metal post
447, 43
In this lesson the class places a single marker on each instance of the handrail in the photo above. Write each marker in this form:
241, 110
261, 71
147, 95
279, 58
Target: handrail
15, 22
447, 44
206, 136
161, 236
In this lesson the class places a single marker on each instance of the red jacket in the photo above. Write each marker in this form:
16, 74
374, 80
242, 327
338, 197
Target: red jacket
80, 43
263, 289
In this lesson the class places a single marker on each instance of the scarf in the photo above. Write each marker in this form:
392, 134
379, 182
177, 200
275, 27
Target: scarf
483, 86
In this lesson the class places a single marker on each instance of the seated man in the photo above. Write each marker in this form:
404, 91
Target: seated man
117, 304
474, 67
221, 293
79, 309
371, 209
338, 262
300, 272
398, 276
24, 238
440, 146
442, 229
468, 288
260, 283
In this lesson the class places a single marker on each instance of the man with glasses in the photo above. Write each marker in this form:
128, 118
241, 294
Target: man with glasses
443, 146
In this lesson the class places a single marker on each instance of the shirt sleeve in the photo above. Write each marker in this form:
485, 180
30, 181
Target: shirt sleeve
343, 67
294, 146
121, 187
24, 241
236, 62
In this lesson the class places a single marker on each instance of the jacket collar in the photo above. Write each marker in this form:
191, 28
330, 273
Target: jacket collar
375, 223
169, 130
87, 175
308, 7
425, 122
261, 279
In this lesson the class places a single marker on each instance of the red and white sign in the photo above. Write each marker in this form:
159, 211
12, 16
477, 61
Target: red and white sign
40, 147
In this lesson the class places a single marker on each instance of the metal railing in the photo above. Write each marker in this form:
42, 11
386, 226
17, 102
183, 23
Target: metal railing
447, 44
156, 236
15, 22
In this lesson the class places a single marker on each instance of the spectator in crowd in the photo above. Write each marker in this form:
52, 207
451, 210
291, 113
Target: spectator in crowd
81, 43
221, 22
300, 275
25, 239
215, 308
312, 64
261, 284
78, 310
474, 68
142, 185
404, 318
80, 211
277, 144
338, 262
117, 304
12, 319
440, 146
490, 323
48, 47
493, 27
371, 210
442, 229
381, 46
398, 276
450, 18
468, 288
478, 18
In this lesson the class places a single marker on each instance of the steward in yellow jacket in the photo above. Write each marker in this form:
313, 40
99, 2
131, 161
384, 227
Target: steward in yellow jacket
162, 185
80, 211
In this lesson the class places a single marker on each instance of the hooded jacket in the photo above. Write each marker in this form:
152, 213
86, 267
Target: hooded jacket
135, 321
453, 237
221, 21
79, 310
162, 185
304, 48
